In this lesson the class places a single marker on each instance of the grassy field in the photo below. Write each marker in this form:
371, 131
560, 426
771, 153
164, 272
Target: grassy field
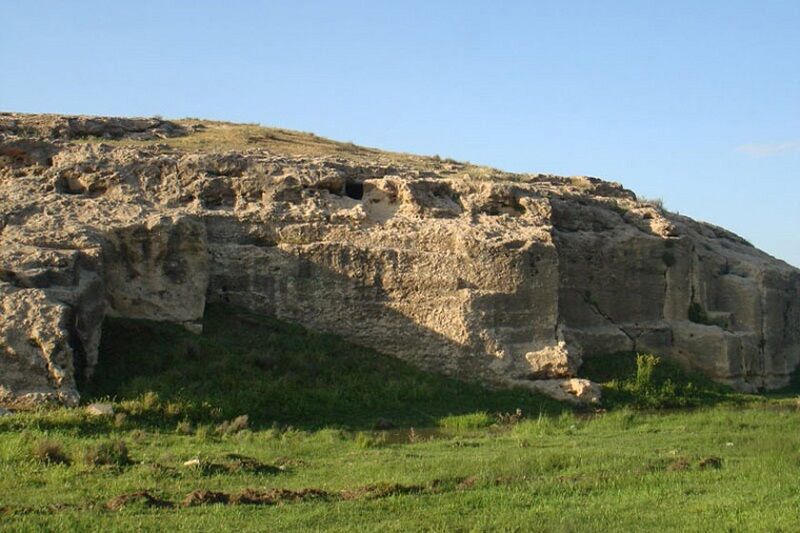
338, 437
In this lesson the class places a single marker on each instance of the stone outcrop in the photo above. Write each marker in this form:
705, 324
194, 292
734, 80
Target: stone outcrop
504, 278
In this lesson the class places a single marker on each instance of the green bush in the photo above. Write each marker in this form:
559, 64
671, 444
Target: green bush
646, 381
650, 394
645, 365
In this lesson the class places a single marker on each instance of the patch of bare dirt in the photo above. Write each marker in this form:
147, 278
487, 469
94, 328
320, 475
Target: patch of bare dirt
136, 498
679, 465
380, 490
277, 496
205, 497
467, 483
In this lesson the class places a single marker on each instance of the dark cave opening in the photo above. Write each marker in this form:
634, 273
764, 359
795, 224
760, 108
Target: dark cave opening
354, 189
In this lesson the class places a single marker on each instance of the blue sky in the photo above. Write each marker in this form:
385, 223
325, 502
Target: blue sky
694, 102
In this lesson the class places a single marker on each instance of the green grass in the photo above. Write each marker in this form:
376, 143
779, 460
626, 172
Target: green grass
477, 420
713, 469
460, 457
277, 373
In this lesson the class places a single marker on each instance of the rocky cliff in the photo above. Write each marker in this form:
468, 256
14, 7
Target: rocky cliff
505, 278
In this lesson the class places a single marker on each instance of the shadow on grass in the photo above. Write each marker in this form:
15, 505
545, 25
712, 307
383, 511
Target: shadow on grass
277, 373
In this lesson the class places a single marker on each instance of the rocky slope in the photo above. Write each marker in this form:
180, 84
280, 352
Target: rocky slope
504, 278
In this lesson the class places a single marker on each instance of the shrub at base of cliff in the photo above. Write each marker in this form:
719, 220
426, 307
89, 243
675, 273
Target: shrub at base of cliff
646, 381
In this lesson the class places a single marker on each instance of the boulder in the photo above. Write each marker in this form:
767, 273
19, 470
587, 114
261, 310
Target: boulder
100, 409
574, 390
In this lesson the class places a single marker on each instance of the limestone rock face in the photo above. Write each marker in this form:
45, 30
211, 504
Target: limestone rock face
37, 359
504, 278
157, 269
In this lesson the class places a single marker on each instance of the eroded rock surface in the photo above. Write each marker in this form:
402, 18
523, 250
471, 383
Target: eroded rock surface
507, 279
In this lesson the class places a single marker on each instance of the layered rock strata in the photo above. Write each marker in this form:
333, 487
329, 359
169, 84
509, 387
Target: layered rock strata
507, 279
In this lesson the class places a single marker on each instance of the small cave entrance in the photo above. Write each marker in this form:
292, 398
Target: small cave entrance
80, 363
354, 190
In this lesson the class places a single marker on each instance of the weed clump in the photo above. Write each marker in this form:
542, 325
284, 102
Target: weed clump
50, 452
120, 419
138, 435
658, 203
510, 419
149, 407
109, 453
366, 440
477, 420
711, 462
230, 427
